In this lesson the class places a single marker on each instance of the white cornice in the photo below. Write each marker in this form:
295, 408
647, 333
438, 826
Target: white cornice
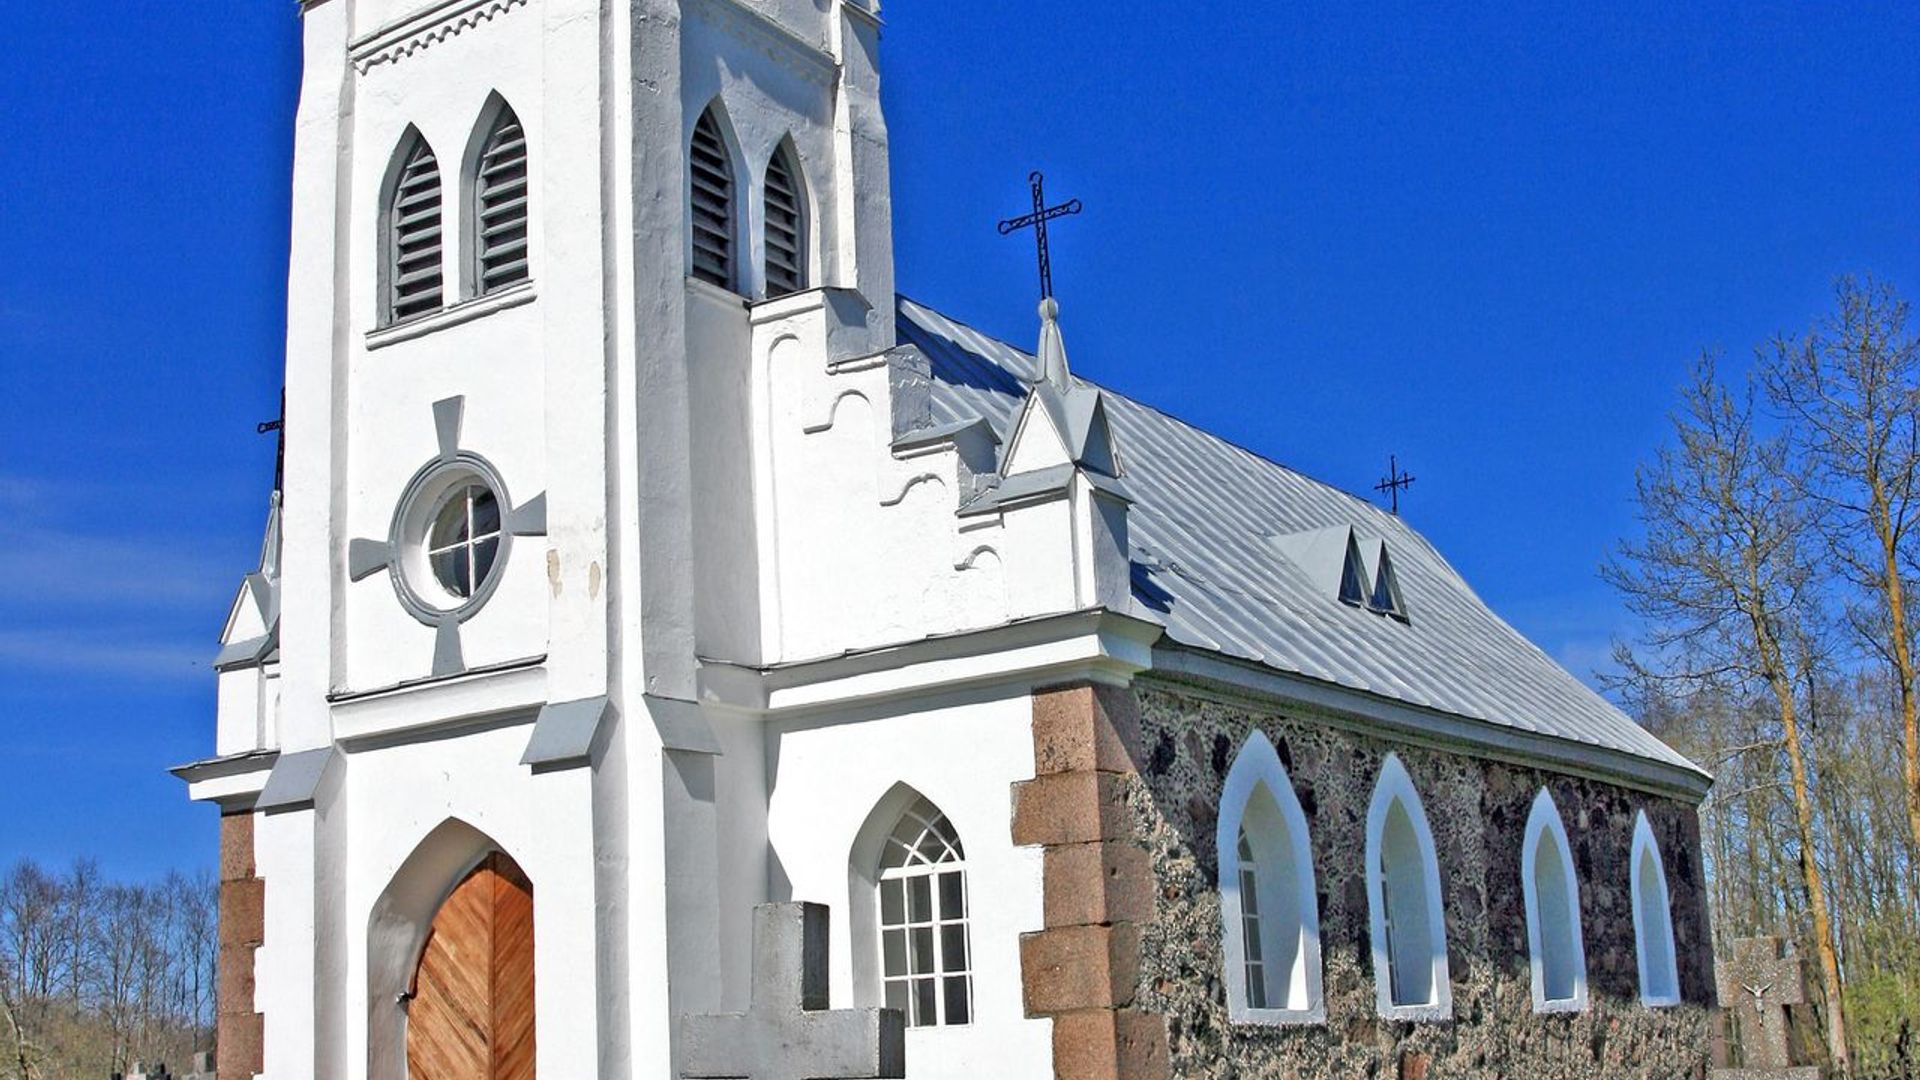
234, 781
810, 59
1093, 644
400, 39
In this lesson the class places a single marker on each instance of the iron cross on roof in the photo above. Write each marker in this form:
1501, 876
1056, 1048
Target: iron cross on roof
1395, 482
1042, 213
278, 424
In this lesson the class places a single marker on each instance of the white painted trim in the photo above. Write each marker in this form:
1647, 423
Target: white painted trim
403, 37
435, 707
863, 882
1544, 823
465, 311
1643, 844
233, 782
1258, 765
1395, 785
1093, 644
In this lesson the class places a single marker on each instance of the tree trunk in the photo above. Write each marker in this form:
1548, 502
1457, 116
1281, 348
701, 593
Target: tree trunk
1809, 851
1894, 593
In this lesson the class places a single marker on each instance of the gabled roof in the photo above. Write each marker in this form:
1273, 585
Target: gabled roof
251, 634
1211, 562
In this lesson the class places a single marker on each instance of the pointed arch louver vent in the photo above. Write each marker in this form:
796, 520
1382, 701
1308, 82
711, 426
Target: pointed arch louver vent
1353, 576
414, 234
786, 251
1385, 597
500, 206
712, 203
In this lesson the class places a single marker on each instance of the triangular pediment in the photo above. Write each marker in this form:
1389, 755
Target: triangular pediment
1038, 442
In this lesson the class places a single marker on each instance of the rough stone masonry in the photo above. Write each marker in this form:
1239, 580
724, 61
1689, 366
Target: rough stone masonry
1478, 808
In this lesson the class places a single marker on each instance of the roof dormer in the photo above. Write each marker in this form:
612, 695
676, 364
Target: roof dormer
1334, 559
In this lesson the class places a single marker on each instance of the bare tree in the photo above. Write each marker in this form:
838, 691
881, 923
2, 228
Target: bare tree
1724, 578
1850, 388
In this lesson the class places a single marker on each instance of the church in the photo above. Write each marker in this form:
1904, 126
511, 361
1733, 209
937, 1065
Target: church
673, 653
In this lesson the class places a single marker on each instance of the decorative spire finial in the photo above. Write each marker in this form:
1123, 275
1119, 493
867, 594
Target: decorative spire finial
1053, 349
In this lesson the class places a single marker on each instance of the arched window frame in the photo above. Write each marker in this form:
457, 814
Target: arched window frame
473, 272
737, 251
411, 142
1544, 825
1396, 786
867, 876
1652, 945
1257, 768
787, 156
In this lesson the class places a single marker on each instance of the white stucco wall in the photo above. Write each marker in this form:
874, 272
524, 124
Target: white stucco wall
401, 795
494, 362
963, 753
692, 517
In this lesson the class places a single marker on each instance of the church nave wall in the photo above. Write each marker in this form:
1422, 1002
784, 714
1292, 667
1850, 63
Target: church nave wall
1478, 810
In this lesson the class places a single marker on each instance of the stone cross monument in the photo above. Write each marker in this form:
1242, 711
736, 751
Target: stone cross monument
787, 1032
1757, 983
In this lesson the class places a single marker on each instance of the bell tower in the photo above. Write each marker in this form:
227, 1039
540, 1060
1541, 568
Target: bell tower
529, 242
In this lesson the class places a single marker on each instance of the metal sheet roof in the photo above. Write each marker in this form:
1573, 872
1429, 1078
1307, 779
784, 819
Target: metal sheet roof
1210, 562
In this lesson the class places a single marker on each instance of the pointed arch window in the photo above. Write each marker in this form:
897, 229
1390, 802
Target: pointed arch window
1268, 902
1555, 944
925, 956
1653, 919
1409, 929
411, 275
786, 250
499, 209
710, 166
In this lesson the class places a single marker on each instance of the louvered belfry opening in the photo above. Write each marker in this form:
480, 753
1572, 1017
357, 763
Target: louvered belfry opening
500, 206
414, 234
712, 209
786, 252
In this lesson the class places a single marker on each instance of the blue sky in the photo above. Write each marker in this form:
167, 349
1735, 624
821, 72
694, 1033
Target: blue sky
1490, 242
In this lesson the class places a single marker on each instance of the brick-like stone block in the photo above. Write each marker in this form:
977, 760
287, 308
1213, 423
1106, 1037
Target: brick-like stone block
243, 912
1085, 728
236, 847
1414, 1065
1071, 968
233, 980
1070, 808
241, 1045
1110, 1044
1109, 881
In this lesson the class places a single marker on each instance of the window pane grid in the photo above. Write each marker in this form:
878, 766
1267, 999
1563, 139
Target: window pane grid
1255, 963
926, 961
465, 539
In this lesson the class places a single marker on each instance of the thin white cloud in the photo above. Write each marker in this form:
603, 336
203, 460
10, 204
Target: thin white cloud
102, 654
43, 567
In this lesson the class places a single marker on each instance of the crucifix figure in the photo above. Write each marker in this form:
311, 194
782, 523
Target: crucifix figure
1758, 980
1395, 482
787, 1032
1042, 213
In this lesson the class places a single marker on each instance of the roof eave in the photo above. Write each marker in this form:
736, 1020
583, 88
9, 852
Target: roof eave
1221, 676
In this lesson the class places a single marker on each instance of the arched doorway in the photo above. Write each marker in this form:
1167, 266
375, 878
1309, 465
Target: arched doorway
470, 1009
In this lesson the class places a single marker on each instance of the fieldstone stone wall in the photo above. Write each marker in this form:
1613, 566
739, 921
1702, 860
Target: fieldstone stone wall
1478, 811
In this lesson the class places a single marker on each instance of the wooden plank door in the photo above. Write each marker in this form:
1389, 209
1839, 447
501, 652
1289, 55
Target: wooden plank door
471, 1017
